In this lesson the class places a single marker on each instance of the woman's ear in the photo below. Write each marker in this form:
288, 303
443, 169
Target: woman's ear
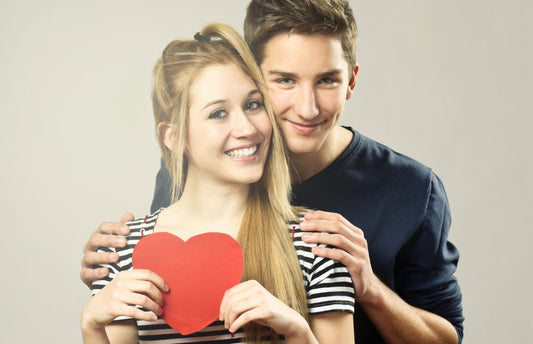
166, 132
352, 82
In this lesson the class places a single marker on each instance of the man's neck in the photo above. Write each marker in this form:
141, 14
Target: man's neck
304, 166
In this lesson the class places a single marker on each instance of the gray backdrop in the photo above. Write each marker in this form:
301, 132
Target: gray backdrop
446, 82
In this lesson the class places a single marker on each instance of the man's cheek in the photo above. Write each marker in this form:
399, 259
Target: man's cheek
277, 101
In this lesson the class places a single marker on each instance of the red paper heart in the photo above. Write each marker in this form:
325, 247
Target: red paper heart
197, 271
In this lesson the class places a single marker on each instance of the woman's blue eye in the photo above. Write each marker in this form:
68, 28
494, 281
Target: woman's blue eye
253, 105
218, 114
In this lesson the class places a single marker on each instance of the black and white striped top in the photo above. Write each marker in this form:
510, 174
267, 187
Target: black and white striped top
328, 286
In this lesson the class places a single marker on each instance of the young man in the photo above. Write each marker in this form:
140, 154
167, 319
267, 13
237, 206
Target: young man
387, 214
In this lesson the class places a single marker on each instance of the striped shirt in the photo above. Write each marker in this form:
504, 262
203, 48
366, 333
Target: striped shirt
327, 283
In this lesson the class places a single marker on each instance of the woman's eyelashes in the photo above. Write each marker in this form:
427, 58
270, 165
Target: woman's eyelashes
249, 107
253, 105
218, 114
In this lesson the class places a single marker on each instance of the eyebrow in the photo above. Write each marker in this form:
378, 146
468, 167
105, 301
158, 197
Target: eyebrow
222, 101
331, 73
283, 74
280, 73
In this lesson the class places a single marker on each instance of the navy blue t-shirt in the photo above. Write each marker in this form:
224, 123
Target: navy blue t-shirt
402, 208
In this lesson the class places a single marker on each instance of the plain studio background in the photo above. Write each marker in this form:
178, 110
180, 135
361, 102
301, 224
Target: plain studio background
446, 82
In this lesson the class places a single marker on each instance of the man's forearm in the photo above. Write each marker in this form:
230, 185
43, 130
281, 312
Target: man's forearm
398, 322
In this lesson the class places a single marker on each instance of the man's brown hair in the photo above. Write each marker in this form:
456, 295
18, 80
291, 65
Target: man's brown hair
267, 18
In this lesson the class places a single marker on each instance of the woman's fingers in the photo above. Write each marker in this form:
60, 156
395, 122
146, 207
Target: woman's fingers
237, 295
148, 275
251, 314
140, 287
250, 301
237, 300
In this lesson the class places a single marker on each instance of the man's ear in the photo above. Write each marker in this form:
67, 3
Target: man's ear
352, 82
166, 132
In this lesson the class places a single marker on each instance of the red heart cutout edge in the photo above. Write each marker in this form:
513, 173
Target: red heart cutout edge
198, 272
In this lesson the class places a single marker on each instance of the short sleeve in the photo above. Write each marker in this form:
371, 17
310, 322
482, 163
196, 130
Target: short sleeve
328, 283
113, 268
123, 264
427, 263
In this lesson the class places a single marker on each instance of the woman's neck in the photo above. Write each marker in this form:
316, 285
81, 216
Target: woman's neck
204, 207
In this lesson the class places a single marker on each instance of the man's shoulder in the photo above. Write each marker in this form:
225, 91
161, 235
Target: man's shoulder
376, 158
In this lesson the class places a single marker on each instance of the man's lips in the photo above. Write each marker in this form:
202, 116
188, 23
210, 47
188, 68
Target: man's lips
305, 128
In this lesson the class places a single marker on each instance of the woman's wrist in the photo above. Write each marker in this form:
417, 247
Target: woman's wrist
92, 333
300, 333
89, 324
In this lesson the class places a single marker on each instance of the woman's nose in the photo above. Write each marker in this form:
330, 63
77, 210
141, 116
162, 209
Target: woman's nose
243, 127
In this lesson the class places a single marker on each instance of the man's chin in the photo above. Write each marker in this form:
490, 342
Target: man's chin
302, 148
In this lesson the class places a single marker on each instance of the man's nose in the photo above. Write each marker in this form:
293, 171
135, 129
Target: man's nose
305, 102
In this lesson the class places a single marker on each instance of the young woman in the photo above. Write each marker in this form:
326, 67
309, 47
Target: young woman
228, 163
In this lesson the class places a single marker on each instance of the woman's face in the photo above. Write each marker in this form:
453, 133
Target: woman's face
229, 130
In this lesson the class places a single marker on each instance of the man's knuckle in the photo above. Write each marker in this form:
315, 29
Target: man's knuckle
337, 217
337, 240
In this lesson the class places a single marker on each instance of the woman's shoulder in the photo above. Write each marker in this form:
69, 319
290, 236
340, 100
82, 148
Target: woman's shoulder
303, 249
142, 226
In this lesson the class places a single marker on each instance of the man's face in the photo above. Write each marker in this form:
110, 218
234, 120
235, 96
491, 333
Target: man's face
308, 82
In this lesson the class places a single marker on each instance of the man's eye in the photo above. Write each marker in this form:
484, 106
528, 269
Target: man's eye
285, 81
328, 81
218, 114
253, 105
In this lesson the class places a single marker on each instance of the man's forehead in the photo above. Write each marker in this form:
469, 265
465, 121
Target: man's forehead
299, 55
285, 44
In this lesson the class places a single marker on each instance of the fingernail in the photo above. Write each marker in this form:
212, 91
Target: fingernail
306, 236
120, 241
124, 230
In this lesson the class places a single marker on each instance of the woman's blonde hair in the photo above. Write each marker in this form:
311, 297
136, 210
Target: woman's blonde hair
269, 255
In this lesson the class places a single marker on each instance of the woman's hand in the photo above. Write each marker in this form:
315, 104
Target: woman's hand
132, 287
250, 301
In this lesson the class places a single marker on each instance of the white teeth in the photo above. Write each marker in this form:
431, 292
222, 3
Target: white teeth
243, 152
